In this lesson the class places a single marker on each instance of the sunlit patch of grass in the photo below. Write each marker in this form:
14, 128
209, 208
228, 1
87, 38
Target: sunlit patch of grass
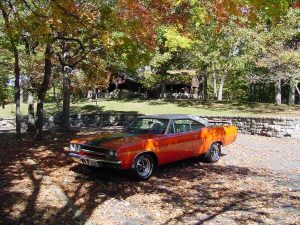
225, 108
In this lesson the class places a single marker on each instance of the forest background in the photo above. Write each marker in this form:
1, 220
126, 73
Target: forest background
241, 50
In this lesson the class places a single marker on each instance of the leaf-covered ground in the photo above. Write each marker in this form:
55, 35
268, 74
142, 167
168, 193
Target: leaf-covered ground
256, 181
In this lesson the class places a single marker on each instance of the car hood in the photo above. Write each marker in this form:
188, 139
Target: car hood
113, 140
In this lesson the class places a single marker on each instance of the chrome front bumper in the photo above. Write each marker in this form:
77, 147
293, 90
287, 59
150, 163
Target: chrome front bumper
93, 161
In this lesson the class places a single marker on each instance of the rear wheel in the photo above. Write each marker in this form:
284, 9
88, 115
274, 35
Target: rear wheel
143, 166
214, 153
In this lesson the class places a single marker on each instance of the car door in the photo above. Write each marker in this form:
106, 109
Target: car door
182, 141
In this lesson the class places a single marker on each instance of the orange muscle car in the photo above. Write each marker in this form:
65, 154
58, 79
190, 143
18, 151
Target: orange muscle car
153, 140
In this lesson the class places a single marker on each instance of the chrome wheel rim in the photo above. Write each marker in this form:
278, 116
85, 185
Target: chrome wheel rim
215, 153
144, 167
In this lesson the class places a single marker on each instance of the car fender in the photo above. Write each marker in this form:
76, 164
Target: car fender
145, 152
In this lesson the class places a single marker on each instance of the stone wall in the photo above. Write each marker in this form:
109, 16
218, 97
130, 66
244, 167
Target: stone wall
78, 120
266, 126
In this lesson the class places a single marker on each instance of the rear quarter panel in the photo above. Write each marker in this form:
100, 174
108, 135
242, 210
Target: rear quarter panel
223, 134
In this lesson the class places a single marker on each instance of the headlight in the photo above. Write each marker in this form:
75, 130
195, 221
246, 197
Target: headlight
113, 154
75, 147
72, 147
78, 148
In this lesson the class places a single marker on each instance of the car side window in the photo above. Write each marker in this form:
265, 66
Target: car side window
196, 126
181, 126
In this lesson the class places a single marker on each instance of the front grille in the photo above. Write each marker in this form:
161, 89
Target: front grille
96, 150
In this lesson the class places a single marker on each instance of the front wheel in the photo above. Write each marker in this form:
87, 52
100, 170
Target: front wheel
214, 153
143, 166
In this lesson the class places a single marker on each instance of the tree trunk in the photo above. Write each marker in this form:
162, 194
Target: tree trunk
30, 100
54, 92
42, 93
292, 96
163, 89
65, 125
205, 88
31, 121
297, 89
21, 92
89, 94
17, 92
96, 96
215, 86
220, 93
16, 71
278, 92
252, 92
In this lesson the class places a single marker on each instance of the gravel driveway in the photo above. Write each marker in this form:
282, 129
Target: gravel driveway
257, 181
279, 155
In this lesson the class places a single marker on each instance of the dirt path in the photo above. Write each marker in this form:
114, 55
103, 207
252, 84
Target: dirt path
256, 181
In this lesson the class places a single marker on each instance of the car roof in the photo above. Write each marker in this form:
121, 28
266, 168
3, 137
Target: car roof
177, 117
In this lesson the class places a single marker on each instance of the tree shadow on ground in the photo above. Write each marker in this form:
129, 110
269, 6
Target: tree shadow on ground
201, 192
197, 188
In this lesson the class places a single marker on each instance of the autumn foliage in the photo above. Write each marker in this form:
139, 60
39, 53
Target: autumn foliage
145, 16
297, 4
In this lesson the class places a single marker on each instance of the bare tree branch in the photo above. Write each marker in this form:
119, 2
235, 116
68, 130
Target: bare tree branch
82, 47
33, 11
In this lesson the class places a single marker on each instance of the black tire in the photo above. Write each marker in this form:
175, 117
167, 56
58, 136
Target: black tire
94, 169
143, 166
214, 153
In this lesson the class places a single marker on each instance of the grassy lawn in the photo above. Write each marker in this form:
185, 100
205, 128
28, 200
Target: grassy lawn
167, 106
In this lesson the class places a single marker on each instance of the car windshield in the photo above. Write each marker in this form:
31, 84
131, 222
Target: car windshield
148, 125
